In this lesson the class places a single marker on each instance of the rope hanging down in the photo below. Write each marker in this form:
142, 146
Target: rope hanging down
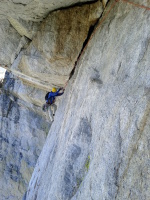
103, 19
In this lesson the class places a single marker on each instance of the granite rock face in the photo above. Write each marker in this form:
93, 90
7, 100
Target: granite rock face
8, 43
100, 147
37, 56
22, 135
51, 56
48, 59
33, 10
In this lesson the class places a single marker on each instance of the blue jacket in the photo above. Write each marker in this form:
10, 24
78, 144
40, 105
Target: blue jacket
52, 95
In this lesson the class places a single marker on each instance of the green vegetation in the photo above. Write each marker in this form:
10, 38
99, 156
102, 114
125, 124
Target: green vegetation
79, 181
87, 164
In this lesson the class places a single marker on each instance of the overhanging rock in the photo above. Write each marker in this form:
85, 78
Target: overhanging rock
33, 10
54, 50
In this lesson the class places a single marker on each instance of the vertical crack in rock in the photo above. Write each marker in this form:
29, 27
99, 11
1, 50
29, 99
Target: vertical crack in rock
17, 3
85, 43
91, 29
51, 54
109, 140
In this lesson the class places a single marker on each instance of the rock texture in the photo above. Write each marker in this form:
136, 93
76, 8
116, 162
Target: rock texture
37, 56
22, 135
8, 43
100, 147
33, 10
51, 55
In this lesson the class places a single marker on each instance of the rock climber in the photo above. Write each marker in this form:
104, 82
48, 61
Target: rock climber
50, 100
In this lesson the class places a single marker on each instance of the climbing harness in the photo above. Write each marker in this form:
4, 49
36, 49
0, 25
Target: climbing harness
51, 101
103, 19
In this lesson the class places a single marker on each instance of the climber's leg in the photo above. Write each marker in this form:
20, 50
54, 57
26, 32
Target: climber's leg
54, 108
50, 113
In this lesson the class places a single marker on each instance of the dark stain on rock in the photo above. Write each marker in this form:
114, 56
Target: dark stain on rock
4, 139
76, 150
85, 132
69, 176
95, 78
10, 109
14, 172
147, 93
9, 82
6, 105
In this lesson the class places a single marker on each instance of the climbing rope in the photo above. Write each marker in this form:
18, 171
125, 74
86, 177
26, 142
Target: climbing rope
136, 5
103, 19
107, 13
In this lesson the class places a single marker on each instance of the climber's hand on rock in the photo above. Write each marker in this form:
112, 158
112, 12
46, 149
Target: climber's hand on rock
62, 89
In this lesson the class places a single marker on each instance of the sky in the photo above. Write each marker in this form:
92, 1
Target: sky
2, 72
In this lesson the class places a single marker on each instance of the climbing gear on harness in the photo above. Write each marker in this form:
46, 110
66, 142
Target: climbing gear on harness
46, 96
54, 89
50, 101
50, 96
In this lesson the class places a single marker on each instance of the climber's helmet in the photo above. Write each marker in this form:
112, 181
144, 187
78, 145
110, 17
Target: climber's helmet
54, 89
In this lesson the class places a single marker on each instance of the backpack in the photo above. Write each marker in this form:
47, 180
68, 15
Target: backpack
46, 96
50, 100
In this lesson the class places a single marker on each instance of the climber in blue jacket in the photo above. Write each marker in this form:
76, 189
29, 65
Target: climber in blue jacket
50, 100
50, 96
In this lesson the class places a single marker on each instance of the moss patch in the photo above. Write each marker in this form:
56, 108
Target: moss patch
87, 164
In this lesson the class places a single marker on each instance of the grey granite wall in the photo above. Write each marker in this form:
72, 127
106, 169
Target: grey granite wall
98, 145
37, 56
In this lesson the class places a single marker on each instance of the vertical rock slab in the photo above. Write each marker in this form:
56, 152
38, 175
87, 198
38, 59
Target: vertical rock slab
100, 147
9, 42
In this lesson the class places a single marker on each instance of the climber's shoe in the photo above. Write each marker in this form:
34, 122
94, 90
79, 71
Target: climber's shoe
44, 107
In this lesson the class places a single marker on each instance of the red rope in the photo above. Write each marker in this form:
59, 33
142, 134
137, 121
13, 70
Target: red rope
136, 5
105, 16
